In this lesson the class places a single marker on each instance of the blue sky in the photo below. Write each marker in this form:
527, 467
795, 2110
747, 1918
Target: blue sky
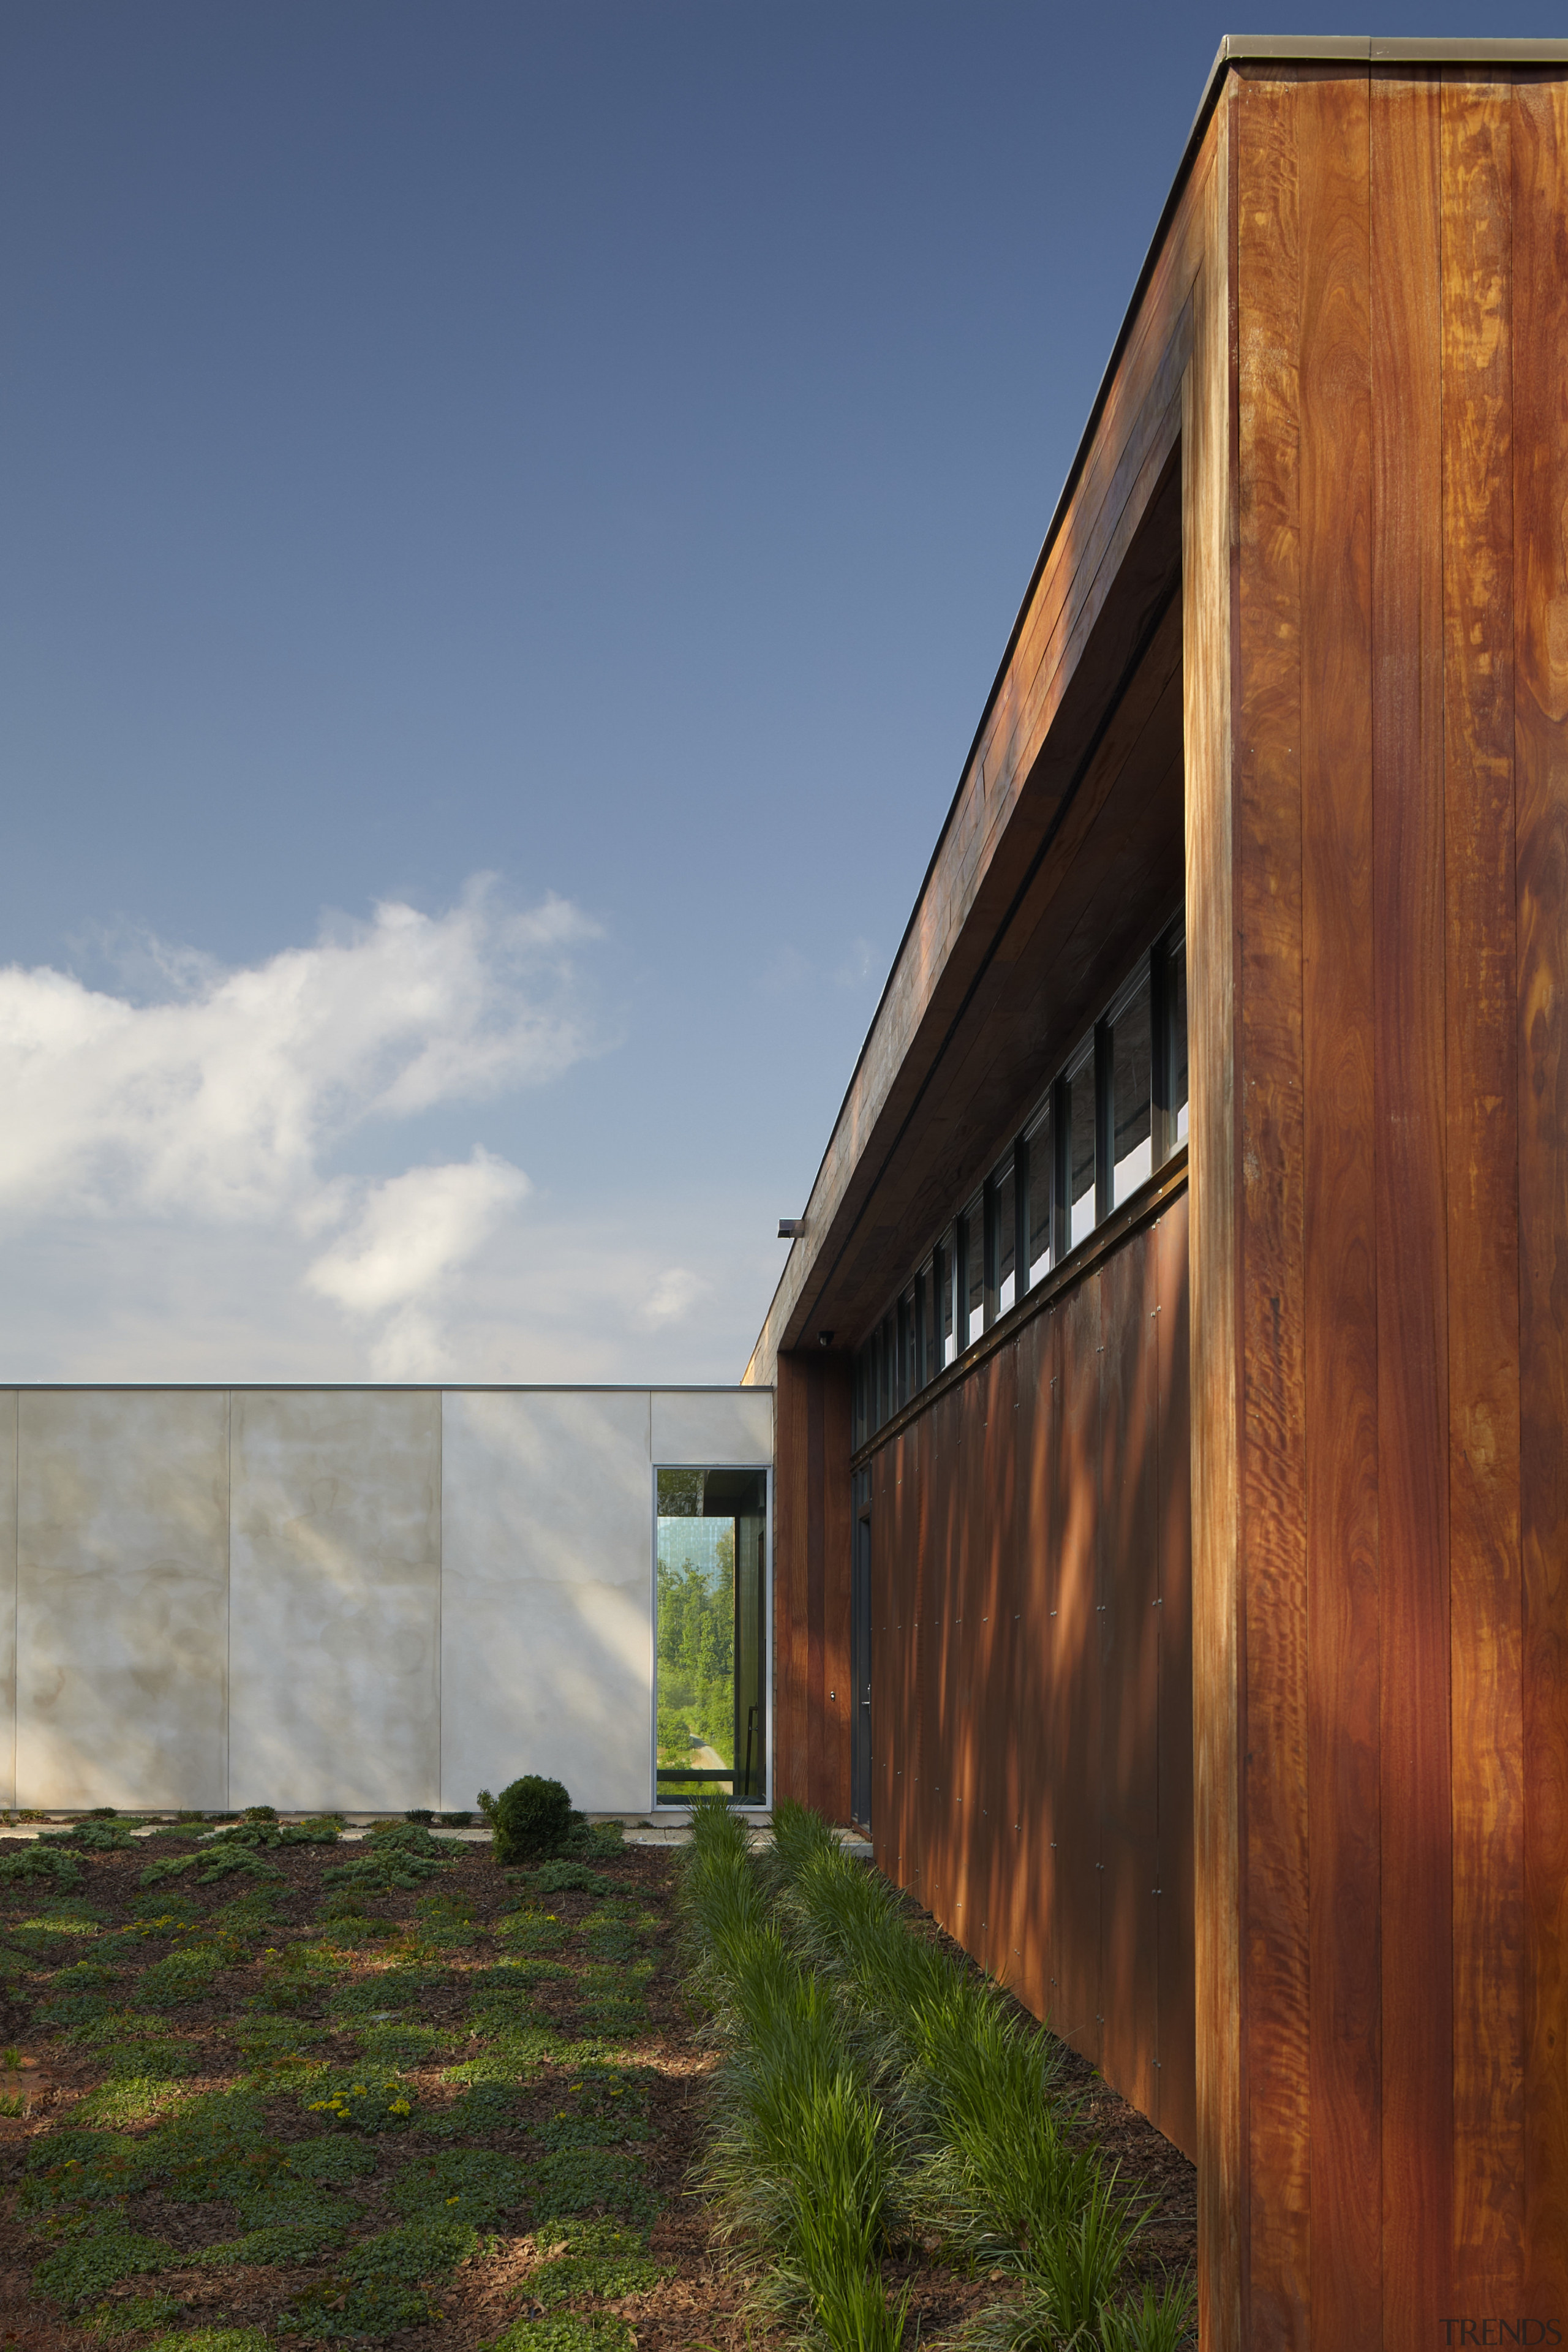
508, 518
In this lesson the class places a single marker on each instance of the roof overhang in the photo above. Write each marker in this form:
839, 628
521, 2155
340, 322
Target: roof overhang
853, 1131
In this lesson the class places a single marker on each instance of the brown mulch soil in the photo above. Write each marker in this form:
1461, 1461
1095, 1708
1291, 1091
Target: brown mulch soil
695, 2308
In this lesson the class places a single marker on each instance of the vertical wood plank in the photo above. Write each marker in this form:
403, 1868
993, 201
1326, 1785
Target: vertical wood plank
1207, 505
837, 1533
1128, 1669
1409, 1143
816, 1581
1177, 2113
791, 1513
1483, 1245
1273, 1499
1341, 1290
990, 1877
1026, 1633
1540, 160
1076, 1748
1039, 1638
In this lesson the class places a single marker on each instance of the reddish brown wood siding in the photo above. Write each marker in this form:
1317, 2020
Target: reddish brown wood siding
1381, 1153
1363, 1844
1031, 1647
811, 1583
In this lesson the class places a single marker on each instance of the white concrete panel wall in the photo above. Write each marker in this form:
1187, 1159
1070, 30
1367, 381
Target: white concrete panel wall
547, 1594
336, 1606
7, 1597
365, 1597
717, 1426
122, 1531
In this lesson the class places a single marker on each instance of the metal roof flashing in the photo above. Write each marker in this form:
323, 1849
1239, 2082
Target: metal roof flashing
1235, 48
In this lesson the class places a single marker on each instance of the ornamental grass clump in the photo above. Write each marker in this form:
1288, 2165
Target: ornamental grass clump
801, 2160
982, 2100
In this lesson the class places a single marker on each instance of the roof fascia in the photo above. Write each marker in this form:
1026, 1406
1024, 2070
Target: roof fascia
1235, 48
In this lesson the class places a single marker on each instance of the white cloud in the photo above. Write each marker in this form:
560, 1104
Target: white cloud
174, 1205
221, 1100
672, 1298
412, 1228
213, 1110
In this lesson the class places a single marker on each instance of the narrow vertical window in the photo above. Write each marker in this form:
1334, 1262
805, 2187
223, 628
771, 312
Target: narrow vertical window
947, 1341
1005, 1224
1079, 1106
1176, 1047
921, 1372
1038, 1250
974, 1295
1131, 1093
989, 1269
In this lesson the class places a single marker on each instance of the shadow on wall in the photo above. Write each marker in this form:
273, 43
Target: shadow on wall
362, 1599
1032, 1702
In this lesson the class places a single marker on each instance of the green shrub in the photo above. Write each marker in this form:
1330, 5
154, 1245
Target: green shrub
461, 2184
277, 2241
90, 1837
186, 1975
213, 2146
482, 2107
72, 2008
133, 2313
381, 2286
72, 2168
587, 2180
164, 1913
531, 1819
444, 1921
129, 2099
610, 1934
210, 1862
395, 1854
601, 2258
262, 1831
332, 2163
365, 2101
601, 2106
595, 2334
118, 2027
534, 1931
83, 1976
397, 2045
514, 2052
570, 1878
38, 1865
211, 2339
91, 2258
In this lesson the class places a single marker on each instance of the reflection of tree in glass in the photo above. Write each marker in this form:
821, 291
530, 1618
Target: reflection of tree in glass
696, 1645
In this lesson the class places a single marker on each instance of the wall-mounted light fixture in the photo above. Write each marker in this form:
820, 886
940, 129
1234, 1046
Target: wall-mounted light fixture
825, 1339
790, 1226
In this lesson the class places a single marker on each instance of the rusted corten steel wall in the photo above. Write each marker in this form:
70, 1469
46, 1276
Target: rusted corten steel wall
1032, 1667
